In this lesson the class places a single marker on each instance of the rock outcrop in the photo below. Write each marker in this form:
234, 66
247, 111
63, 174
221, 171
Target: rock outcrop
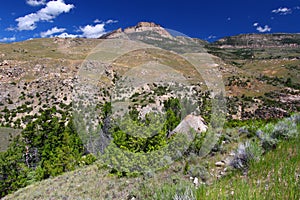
114, 34
140, 27
190, 122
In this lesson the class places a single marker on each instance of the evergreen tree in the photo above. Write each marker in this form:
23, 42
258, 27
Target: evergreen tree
47, 147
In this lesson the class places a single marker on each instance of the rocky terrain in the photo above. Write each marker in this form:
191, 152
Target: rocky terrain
41, 73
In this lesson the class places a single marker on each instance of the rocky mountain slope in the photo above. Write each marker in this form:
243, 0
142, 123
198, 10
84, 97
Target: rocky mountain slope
261, 80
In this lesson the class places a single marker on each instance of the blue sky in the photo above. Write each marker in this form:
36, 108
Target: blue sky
210, 20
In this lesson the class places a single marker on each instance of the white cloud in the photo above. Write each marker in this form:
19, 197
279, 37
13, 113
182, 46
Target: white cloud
50, 12
261, 29
10, 28
111, 21
52, 31
212, 37
297, 8
96, 21
11, 39
36, 2
282, 11
90, 31
264, 29
67, 35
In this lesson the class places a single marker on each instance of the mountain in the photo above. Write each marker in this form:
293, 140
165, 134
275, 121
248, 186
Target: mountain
140, 27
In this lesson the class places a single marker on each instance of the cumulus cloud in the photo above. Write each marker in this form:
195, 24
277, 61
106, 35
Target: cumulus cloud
261, 29
90, 31
50, 12
52, 31
67, 35
6, 39
282, 11
264, 29
36, 2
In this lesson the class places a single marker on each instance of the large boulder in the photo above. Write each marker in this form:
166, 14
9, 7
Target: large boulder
190, 122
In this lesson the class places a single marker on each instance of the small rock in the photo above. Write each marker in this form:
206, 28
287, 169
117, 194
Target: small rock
222, 173
220, 164
196, 181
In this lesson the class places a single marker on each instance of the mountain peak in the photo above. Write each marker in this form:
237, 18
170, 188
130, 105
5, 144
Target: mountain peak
147, 24
140, 27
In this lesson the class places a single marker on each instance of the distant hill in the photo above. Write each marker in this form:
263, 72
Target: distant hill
277, 40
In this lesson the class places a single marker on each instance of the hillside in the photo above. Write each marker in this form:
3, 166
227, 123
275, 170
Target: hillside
276, 40
151, 104
265, 176
265, 73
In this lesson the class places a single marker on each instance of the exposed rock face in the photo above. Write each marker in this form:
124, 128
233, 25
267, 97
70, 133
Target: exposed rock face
190, 122
140, 27
114, 34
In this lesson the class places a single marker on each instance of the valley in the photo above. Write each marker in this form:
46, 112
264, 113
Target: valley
138, 112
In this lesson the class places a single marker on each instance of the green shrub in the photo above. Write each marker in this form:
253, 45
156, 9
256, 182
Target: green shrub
271, 133
265, 135
245, 154
129, 137
149, 134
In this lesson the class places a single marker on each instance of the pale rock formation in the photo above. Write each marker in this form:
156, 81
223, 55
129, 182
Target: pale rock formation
140, 27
